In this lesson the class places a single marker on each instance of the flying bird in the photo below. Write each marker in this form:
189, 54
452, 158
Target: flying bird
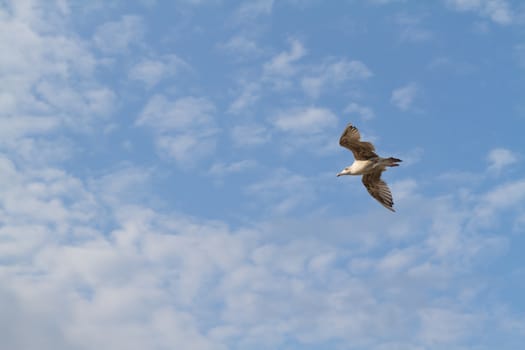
368, 164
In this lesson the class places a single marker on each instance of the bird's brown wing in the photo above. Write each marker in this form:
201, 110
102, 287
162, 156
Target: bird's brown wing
351, 139
378, 189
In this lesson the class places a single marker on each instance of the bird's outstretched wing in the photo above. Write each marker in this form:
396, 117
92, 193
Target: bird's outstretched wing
351, 139
378, 189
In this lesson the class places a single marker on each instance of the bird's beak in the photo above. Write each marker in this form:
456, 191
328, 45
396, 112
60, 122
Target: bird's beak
339, 174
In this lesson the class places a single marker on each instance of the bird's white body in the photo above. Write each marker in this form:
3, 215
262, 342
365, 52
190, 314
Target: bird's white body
360, 167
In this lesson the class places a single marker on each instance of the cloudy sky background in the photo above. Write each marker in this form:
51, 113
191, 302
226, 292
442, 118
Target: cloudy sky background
167, 174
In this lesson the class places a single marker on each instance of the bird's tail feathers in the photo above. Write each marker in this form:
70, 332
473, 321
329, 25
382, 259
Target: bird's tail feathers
393, 161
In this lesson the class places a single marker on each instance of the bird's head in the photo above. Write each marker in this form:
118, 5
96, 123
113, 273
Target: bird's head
345, 171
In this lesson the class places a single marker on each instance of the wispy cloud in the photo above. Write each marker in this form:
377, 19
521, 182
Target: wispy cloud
152, 71
307, 129
503, 197
182, 114
397, 260
411, 29
500, 158
40, 92
309, 120
250, 135
253, 9
97, 252
499, 11
115, 37
241, 46
283, 190
123, 183
282, 64
442, 326
250, 93
91, 103
450, 64
16, 127
275, 74
185, 128
364, 112
384, 2
403, 97
290, 69
163, 273
332, 74
186, 148
221, 169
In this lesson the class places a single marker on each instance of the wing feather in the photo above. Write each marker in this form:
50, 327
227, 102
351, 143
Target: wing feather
351, 139
378, 189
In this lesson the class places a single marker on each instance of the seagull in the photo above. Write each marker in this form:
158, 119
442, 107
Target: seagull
368, 164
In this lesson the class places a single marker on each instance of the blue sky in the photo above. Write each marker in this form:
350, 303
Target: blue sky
167, 174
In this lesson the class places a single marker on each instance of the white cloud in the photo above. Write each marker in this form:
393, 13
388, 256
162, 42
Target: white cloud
53, 55
504, 196
514, 324
182, 114
282, 64
41, 150
15, 127
72, 102
441, 326
306, 129
384, 2
185, 128
45, 333
498, 11
240, 45
500, 158
411, 30
310, 120
250, 94
285, 70
396, 260
186, 148
124, 183
203, 285
450, 64
253, 9
38, 206
365, 113
405, 188
40, 93
285, 191
222, 169
403, 97
250, 135
152, 71
332, 74
116, 37
97, 264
